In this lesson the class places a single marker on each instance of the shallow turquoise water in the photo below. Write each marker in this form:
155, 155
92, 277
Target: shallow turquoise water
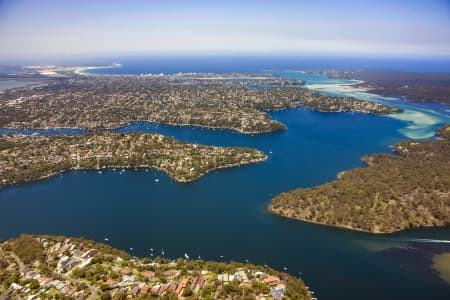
224, 212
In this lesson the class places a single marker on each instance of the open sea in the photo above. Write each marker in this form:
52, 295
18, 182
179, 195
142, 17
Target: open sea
224, 213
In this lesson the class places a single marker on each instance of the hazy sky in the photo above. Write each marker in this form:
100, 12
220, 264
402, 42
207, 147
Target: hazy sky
414, 27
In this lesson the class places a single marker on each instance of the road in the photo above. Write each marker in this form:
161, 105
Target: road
22, 267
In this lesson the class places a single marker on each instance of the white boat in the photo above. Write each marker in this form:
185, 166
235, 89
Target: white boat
156, 180
187, 256
106, 239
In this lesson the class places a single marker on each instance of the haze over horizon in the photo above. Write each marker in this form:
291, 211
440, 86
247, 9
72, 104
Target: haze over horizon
50, 27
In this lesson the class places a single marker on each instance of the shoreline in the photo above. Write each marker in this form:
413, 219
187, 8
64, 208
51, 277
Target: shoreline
219, 128
348, 228
82, 70
119, 126
140, 168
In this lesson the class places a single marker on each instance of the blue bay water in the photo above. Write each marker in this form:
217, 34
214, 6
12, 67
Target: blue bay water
224, 212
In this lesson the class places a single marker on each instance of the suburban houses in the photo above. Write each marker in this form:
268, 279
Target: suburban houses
46, 267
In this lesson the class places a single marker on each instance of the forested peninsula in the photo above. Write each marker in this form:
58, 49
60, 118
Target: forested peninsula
393, 193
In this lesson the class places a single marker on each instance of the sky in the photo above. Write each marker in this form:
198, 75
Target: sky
354, 27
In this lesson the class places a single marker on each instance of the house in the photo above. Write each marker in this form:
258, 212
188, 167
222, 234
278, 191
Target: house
173, 287
127, 278
271, 280
181, 286
125, 271
135, 291
163, 288
144, 290
148, 275
223, 277
88, 253
278, 292
156, 289
32, 275
194, 282
110, 282
199, 284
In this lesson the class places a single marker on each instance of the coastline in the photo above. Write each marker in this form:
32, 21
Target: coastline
343, 227
123, 125
82, 70
141, 167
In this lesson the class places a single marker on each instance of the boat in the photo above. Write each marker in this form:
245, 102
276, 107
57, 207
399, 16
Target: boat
156, 180
106, 239
187, 256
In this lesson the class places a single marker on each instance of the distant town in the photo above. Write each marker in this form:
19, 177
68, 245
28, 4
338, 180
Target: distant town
234, 101
48, 267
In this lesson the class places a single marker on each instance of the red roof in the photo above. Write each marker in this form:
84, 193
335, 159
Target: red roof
110, 282
147, 274
271, 279
126, 271
182, 285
